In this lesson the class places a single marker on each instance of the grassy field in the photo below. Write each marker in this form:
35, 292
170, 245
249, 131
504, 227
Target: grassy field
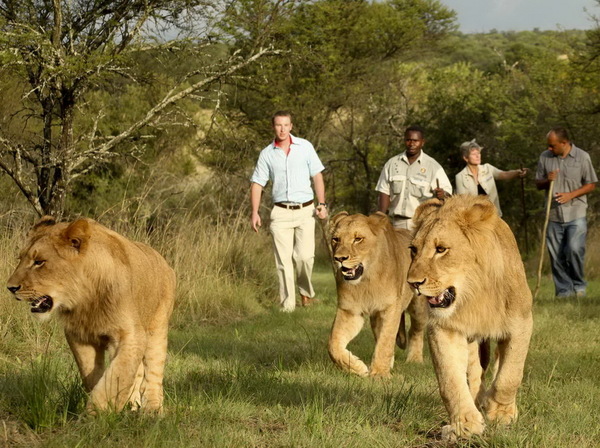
267, 381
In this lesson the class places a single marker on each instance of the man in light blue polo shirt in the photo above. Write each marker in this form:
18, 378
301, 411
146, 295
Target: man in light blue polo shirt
574, 177
289, 163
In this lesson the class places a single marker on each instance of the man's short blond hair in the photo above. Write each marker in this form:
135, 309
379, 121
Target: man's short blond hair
281, 113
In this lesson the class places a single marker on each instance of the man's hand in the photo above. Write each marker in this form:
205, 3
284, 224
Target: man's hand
552, 175
563, 198
523, 172
256, 222
322, 212
439, 193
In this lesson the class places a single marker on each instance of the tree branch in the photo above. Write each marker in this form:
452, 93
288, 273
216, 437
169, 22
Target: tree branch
173, 97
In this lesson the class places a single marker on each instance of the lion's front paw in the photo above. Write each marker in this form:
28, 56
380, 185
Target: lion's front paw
380, 373
466, 426
345, 360
416, 357
501, 413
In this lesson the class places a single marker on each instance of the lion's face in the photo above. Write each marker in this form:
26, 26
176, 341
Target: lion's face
353, 240
46, 270
444, 260
438, 266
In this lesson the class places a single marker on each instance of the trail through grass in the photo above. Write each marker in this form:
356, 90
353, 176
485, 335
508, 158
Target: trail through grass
268, 382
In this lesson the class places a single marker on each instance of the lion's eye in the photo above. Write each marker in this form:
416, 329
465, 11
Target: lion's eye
413, 250
39, 262
440, 249
358, 239
335, 240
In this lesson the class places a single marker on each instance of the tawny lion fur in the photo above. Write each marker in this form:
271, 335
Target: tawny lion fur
111, 294
461, 245
371, 246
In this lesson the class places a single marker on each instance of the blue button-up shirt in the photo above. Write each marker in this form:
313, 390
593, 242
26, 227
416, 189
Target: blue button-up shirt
290, 174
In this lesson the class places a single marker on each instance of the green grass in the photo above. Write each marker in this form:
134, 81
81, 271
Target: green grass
267, 381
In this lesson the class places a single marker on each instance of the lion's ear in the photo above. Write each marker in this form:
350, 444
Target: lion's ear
337, 218
41, 226
424, 210
480, 212
378, 220
44, 221
78, 234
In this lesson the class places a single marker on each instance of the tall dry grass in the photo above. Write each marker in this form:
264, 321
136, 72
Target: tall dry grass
224, 272
222, 276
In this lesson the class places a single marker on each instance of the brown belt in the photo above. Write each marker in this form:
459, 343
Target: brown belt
294, 206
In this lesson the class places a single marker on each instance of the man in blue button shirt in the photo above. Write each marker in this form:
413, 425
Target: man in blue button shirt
574, 178
290, 163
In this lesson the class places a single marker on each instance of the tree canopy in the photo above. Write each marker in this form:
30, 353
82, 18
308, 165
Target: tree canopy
91, 87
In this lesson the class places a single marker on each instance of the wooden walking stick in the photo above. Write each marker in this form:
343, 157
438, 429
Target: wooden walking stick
326, 230
545, 229
525, 214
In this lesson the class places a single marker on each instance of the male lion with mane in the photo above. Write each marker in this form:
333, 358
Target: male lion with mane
467, 267
110, 293
372, 260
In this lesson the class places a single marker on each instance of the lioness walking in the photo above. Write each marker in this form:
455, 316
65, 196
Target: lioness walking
466, 265
372, 259
110, 293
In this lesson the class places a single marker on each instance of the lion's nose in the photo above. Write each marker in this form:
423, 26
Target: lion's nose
416, 284
14, 289
340, 259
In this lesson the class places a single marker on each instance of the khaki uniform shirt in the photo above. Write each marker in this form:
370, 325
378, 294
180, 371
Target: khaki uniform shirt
487, 175
410, 184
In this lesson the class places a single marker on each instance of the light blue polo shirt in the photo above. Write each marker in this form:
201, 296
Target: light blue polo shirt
290, 174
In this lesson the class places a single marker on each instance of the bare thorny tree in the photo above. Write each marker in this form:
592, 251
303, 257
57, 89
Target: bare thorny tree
61, 49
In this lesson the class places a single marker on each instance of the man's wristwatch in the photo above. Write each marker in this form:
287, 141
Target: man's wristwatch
324, 204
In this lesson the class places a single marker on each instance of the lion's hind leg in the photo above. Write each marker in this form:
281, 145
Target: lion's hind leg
154, 365
135, 396
476, 370
346, 326
114, 389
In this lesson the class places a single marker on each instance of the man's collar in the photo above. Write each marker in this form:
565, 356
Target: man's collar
275, 142
405, 158
571, 151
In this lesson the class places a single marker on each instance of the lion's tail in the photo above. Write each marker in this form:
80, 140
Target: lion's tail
401, 335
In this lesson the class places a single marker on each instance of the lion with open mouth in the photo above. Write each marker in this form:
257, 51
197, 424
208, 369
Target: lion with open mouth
466, 266
372, 260
113, 296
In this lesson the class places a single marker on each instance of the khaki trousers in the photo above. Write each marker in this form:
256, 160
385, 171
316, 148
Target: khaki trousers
293, 233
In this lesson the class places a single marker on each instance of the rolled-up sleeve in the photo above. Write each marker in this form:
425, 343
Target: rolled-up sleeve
495, 171
588, 175
315, 166
541, 173
261, 171
383, 184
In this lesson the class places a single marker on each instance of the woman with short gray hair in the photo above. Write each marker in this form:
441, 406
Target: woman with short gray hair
478, 179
